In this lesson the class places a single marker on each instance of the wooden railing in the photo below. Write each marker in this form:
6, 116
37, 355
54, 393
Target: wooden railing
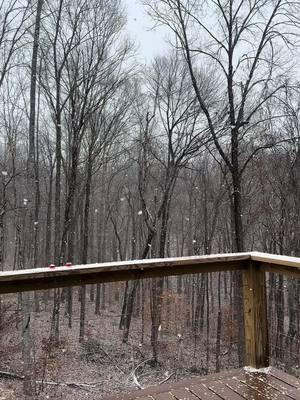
254, 266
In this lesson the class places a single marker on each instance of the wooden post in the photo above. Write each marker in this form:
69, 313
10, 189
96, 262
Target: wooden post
255, 315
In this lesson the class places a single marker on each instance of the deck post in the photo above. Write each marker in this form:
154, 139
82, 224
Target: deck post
255, 316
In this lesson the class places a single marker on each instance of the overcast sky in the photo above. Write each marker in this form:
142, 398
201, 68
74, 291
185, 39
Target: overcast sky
139, 24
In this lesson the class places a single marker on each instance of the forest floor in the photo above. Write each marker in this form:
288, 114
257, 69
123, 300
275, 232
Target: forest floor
103, 364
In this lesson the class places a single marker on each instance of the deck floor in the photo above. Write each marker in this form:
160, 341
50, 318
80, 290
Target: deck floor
246, 383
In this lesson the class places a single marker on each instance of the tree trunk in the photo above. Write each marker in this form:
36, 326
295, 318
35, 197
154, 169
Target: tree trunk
33, 187
85, 241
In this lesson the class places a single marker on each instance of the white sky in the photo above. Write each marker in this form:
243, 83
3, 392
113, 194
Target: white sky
150, 42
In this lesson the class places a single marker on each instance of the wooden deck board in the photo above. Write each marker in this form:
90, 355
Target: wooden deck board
269, 382
223, 391
267, 385
180, 394
203, 392
268, 392
260, 389
291, 380
246, 391
241, 384
163, 396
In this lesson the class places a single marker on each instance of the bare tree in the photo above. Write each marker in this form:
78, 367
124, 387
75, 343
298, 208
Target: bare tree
106, 126
169, 136
242, 42
14, 23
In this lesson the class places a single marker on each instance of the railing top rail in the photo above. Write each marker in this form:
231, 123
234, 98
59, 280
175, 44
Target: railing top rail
43, 278
274, 259
284, 265
46, 278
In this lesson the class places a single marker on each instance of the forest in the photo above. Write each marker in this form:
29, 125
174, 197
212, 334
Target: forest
105, 158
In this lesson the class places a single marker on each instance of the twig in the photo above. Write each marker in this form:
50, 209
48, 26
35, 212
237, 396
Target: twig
166, 379
79, 385
135, 379
11, 375
137, 383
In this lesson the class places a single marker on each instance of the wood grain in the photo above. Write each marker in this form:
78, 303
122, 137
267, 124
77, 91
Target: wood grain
255, 316
46, 278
